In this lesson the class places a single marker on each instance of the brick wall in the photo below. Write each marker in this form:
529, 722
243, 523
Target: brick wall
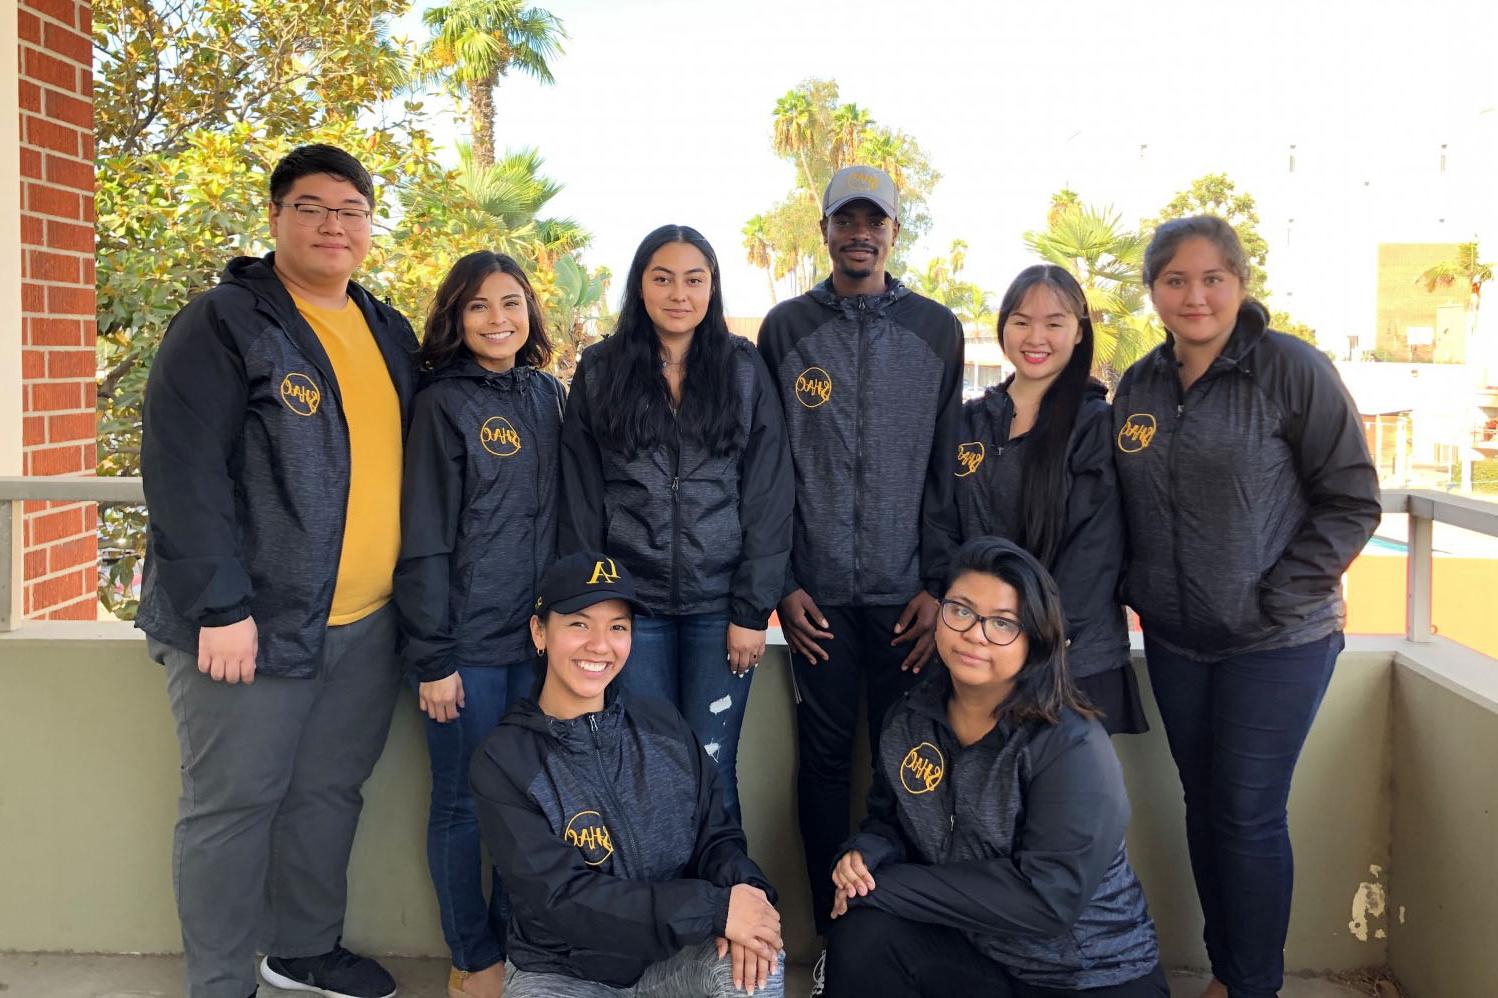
57, 298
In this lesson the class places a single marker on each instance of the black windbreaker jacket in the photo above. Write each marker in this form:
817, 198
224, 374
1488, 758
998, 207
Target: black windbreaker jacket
478, 516
700, 533
244, 453
1246, 497
872, 391
1089, 559
1016, 840
610, 834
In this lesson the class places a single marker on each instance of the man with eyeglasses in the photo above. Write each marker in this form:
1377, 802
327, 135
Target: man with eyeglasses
870, 378
273, 421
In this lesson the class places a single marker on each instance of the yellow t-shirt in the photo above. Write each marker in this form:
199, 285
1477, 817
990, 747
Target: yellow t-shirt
371, 540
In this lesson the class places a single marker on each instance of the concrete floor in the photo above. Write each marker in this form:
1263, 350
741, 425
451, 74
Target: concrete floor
32, 975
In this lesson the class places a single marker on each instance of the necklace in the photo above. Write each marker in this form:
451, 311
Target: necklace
672, 363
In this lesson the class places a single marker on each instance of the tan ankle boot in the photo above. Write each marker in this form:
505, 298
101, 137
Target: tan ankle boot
486, 983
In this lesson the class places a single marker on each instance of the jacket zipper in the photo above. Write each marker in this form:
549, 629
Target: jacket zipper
616, 810
676, 517
858, 443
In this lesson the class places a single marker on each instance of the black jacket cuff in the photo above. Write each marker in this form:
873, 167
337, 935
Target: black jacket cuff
223, 618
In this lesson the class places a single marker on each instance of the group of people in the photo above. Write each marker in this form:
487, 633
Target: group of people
577, 582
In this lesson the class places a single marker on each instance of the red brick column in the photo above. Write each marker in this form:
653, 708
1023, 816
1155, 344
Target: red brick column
57, 298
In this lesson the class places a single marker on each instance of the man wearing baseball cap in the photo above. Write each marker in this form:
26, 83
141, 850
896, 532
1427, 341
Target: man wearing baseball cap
870, 378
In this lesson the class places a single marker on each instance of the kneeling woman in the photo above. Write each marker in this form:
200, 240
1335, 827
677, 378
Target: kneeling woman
606, 819
992, 860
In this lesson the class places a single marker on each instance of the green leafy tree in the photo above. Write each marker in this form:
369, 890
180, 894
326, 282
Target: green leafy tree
818, 135
194, 106
475, 43
941, 280
1464, 270
576, 312
1215, 194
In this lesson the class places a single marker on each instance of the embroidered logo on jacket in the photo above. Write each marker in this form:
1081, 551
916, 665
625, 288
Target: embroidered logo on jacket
1136, 433
922, 769
813, 387
300, 394
604, 571
499, 437
587, 831
969, 457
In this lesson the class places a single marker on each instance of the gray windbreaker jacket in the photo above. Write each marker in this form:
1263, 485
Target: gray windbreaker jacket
1016, 840
1246, 497
871, 386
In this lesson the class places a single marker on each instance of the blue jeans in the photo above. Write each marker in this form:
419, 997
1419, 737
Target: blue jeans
1236, 728
474, 930
684, 661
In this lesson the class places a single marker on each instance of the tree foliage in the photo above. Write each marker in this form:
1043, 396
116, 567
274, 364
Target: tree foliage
1215, 194
475, 43
818, 136
194, 106
941, 280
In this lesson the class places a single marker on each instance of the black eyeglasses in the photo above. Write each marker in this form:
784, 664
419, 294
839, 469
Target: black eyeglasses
312, 216
961, 618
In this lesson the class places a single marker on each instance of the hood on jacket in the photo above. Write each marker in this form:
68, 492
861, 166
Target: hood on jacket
824, 294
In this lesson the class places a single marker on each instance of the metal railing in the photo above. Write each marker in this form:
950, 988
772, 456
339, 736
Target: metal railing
1425, 509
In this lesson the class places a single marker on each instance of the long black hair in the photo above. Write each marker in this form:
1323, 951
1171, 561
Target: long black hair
1043, 486
1044, 685
442, 341
634, 412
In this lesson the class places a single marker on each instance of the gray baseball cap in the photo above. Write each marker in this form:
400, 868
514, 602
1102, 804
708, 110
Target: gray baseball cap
853, 183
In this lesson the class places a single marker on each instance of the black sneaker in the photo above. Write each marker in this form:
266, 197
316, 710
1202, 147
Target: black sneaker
335, 974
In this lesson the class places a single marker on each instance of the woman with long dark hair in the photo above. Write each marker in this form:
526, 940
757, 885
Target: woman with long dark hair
1248, 490
992, 860
478, 527
674, 459
1035, 465
606, 816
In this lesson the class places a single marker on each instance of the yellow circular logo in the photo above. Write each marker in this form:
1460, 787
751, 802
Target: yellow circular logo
499, 437
969, 458
922, 769
587, 831
300, 394
1136, 433
813, 387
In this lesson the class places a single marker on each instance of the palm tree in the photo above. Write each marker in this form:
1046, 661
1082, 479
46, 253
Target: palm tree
476, 42
760, 251
1464, 268
850, 123
795, 131
888, 151
506, 199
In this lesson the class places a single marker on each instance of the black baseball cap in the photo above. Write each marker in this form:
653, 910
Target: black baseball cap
579, 580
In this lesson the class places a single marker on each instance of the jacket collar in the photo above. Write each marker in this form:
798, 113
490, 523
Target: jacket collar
928, 699
576, 734
464, 366
893, 291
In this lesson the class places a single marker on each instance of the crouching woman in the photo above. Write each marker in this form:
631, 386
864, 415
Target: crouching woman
606, 820
992, 860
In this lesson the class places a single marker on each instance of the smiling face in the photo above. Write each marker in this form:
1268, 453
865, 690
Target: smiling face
677, 285
324, 255
978, 665
584, 652
859, 238
1198, 295
496, 323
1040, 335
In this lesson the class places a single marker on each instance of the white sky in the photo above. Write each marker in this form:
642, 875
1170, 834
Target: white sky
662, 113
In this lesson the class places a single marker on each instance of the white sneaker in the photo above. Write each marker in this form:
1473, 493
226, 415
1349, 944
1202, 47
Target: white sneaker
819, 977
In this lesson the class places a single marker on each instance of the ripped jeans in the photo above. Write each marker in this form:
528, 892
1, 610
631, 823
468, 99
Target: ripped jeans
684, 660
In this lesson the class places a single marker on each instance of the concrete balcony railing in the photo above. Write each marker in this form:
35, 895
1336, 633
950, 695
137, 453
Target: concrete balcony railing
1394, 812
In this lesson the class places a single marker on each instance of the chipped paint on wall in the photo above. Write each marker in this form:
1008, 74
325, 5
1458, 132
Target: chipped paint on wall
1368, 906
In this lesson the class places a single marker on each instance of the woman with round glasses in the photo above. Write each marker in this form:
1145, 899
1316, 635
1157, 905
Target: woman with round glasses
992, 859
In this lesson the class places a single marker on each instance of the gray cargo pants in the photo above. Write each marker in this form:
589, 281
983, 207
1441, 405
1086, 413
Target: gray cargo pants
271, 778
695, 972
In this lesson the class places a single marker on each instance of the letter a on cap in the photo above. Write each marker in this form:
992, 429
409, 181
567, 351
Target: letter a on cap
604, 571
